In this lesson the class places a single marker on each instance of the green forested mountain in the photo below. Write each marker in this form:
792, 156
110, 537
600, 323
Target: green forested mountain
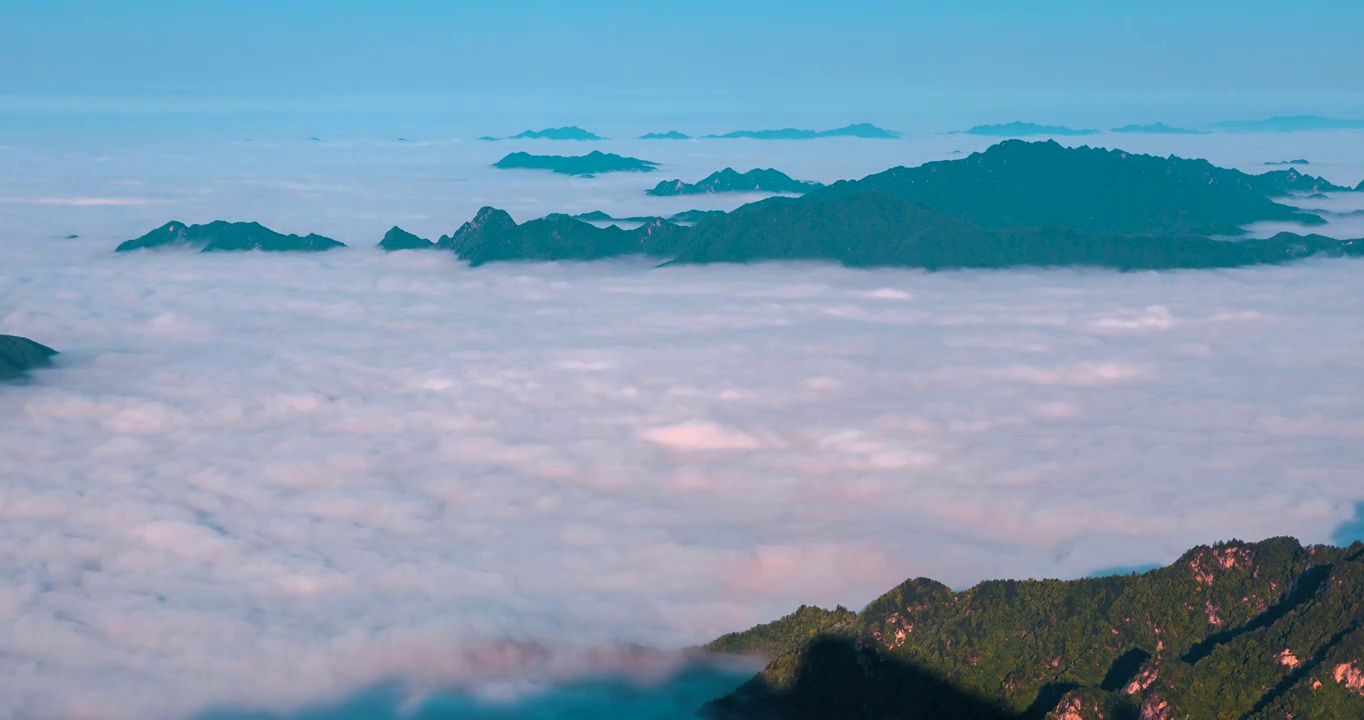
19, 355
1236, 630
222, 236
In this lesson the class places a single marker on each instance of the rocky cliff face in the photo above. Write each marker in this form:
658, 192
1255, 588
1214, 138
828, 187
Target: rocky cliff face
1245, 630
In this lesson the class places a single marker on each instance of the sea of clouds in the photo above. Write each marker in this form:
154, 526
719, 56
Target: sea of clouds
264, 480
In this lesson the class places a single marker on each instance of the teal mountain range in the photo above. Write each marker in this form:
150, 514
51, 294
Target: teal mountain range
730, 180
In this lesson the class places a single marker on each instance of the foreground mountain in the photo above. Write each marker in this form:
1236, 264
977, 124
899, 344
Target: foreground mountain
1158, 129
670, 135
223, 236
1022, 129
1018, 184
729, 180
1237, 630
399, 239
592, 163
1290, 123
859, 130
19, 355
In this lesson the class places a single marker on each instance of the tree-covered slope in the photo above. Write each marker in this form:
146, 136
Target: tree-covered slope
19, 355
1236, 630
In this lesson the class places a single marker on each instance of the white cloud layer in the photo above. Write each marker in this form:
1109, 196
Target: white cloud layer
266, 480
271, 479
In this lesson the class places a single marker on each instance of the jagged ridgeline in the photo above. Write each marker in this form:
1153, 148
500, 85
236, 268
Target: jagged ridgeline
223, 236
731, 180
1016, 204
1237, 630
18, 355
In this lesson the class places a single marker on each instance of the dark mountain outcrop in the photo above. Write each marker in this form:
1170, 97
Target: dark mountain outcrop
868, 229
1018, 184
1158, 129
399, 239
492, 235
223, 236
1023, 129
670, 135
729, 180
859, 130
592, 163
1237, 630
873, 229
18, 355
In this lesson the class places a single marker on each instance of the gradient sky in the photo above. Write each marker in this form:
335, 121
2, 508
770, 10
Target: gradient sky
701, 66
263, 47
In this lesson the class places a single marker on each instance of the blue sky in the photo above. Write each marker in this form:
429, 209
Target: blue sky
1253, 55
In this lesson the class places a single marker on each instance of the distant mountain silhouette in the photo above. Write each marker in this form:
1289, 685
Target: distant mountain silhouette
1022, 129
1290, 123
222, 236
398, 239
1158, 129
670, 135
729, 180
18, 355
859, 130
592, 163
572, 132
1289, 162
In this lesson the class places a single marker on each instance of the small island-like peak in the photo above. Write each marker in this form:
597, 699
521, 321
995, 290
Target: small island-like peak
593, 163
399, 239
571, 132
223, 236
670, 135
18, 355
